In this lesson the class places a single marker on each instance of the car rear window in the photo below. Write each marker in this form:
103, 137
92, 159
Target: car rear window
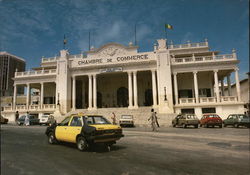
126, 117
96, 120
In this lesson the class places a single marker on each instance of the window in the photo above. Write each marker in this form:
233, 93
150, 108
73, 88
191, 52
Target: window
205, 92
76, 121
208, 110
187, 111
185, 93
96, 120
65, 122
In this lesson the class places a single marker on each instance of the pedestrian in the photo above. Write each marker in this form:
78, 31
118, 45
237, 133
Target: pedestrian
27, 120
153, 120
17, 116
156, 119
113, 118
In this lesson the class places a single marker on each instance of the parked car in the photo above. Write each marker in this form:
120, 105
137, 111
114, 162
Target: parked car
33, 120
126, 120
47, 120
237, 120
4, 120
185, 120
85, 131
208, 120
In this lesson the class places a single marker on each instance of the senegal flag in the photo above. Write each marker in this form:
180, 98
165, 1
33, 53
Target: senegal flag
168, 26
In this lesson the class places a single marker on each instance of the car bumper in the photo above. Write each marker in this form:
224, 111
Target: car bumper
105, 138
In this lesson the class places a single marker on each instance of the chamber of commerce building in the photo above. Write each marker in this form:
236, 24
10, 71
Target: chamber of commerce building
171, 79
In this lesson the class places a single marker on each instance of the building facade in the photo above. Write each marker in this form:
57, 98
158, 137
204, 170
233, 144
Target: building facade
8, 65
116, 78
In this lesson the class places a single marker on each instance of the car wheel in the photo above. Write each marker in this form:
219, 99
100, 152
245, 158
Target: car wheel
236, 125
220, 126
224, 125
200, 125
174, 125
206, 126
82, 144
51, 138
196, 126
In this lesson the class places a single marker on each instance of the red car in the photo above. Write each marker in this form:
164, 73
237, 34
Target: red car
208, 120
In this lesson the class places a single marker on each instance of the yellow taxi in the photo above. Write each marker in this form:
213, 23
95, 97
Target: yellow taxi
84, 130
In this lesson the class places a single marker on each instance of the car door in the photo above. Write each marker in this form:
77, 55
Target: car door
74, 128
61, 129
229, 120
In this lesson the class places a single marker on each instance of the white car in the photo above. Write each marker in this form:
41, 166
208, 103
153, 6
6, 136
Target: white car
47, 120
126, 120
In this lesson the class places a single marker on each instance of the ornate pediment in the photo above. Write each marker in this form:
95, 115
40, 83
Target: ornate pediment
112, 49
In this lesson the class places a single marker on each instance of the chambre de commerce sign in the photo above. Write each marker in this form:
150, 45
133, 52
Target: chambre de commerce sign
91, 61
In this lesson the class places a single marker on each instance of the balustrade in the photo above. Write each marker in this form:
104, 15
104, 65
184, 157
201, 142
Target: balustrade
186, 100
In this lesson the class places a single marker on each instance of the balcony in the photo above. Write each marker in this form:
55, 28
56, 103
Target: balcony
228, 99
35, 73
188, 45
48, 60
186, 101
203, 59
207, 100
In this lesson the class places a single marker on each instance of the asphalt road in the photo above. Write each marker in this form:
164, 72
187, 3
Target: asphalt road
178, 151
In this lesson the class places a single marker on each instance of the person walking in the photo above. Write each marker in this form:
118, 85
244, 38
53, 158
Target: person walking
17, 116
113, 118
153, 120
27, 120
156, 120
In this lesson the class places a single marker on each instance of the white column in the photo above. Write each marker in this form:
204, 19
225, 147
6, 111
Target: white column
222, 86
130, 90
74, 93
94, 91
216, 85
154, 88
135, 90
14, 97
196, 88
229, 85
90, 91
41, 94
237, 82
28, 96
176, 89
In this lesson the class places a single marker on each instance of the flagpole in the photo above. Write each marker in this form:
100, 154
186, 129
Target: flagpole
135, 35
89, 40
64, 42
166, 35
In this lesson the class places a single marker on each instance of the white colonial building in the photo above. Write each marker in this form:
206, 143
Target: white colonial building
117, 78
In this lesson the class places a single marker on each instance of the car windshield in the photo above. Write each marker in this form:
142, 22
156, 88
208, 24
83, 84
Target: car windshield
65, 122
242, 116
126, 117
191, 117
92, 120
212, 115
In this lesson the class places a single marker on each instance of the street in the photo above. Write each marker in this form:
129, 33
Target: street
25, 150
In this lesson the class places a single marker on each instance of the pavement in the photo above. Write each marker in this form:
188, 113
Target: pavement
177, 151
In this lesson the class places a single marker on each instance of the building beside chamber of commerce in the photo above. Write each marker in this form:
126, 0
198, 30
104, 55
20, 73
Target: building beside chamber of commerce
116, 78
9, 64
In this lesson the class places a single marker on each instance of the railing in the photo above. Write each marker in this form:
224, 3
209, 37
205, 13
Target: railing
35, 73
228, 99
52, 59
21, 107
49, 106
203, 59
34, 107
186, 100
189, 45
207, 99
7, 108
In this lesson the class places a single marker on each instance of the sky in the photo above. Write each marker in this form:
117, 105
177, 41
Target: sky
32, 29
